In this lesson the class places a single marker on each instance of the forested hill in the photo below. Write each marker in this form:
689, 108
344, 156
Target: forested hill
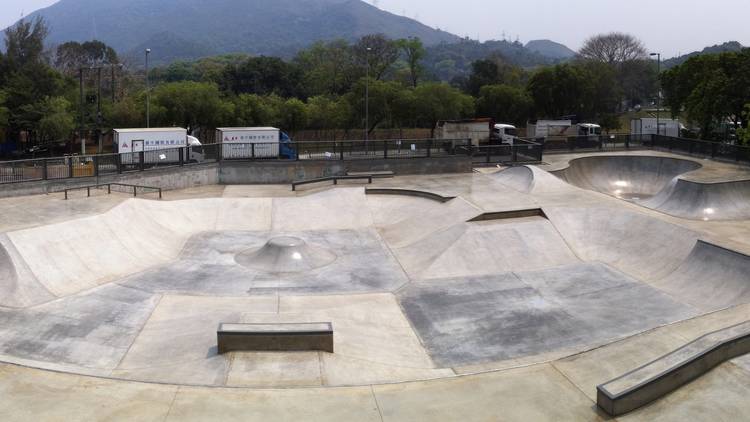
188, 29
720, 48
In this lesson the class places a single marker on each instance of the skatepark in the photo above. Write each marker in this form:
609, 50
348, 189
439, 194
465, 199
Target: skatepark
502, 294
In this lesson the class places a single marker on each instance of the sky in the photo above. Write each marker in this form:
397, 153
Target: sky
671, 27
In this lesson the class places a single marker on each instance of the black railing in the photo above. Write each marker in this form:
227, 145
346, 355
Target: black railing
697, 147
107, 164
521, 151
127, 189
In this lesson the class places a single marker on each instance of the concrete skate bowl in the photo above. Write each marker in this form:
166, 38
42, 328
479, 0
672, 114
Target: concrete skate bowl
633, 178
413, 289
659, 183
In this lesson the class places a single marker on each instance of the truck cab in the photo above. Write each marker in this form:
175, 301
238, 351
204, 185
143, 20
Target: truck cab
504, 133
589, 129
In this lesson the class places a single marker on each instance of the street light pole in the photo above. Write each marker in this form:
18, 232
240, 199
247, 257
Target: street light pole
367, 96
148, 93
658, 93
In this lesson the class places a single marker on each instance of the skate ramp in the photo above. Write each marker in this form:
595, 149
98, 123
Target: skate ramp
703, 201
626, 176
18, 286
644, 247
710, 278
516, 178
485, 248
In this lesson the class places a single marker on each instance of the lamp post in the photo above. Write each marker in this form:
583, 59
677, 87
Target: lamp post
148, 93
367, 96
658, 93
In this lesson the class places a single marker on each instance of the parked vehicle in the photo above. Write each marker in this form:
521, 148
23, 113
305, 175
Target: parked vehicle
130, 141
254, 142
545, 129
505, 133
648, 126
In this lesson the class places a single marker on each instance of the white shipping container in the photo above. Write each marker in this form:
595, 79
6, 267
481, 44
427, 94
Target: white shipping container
236, 142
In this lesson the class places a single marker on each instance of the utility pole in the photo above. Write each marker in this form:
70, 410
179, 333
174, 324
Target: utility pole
658, 93
367, 96
148, 93
81, 112
99, 109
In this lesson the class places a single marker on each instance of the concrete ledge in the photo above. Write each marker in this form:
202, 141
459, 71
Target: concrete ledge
409, 192
666, 374
275, 337
505, 215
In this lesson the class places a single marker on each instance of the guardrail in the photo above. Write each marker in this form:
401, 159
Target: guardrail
109, 189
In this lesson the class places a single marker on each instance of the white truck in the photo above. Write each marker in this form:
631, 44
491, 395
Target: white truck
561, 129
505, 133
129, 141
648, 126
253, 142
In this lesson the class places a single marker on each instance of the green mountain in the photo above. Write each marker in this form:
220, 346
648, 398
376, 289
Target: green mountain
551, 49
720, 48
188, 29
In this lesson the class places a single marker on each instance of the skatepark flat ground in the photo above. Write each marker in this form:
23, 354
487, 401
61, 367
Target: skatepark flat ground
110, 304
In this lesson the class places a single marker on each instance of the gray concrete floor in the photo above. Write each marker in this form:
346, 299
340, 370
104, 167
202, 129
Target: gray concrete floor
434, 318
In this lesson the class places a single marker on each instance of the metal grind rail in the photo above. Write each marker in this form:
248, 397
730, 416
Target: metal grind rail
109, 189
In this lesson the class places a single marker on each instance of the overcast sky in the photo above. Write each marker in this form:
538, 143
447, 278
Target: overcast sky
668, 26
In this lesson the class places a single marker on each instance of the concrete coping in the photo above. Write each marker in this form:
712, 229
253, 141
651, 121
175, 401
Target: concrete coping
510, 214
409, 192
673, 370
281, 337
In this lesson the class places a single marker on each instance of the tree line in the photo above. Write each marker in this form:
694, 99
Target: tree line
322, 88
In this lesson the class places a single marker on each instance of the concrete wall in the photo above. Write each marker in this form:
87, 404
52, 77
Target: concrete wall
245, 172
167, 179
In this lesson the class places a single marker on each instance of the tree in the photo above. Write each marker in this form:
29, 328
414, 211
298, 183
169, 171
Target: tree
712, 89
743, 133
262, 76
414, 52
504, 103
328, 68
24, 42
71, 56
328, 113
492, 71
440, 101
252, 110
615, 47
4, 112
293, 115
383, 96
192, 105
57, 122
376, 52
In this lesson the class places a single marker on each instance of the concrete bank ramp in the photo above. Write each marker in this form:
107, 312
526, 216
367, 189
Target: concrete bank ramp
703, 201
422, 218
489, 247
18, 286
641, 246
710, 278
516, 178
628, 177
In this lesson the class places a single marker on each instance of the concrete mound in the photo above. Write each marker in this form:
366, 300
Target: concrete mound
627, 177
286, 254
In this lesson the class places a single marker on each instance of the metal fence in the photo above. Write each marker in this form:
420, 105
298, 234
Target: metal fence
697, 147
107, 164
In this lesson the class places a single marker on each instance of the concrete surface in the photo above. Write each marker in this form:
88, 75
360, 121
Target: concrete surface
544, 309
